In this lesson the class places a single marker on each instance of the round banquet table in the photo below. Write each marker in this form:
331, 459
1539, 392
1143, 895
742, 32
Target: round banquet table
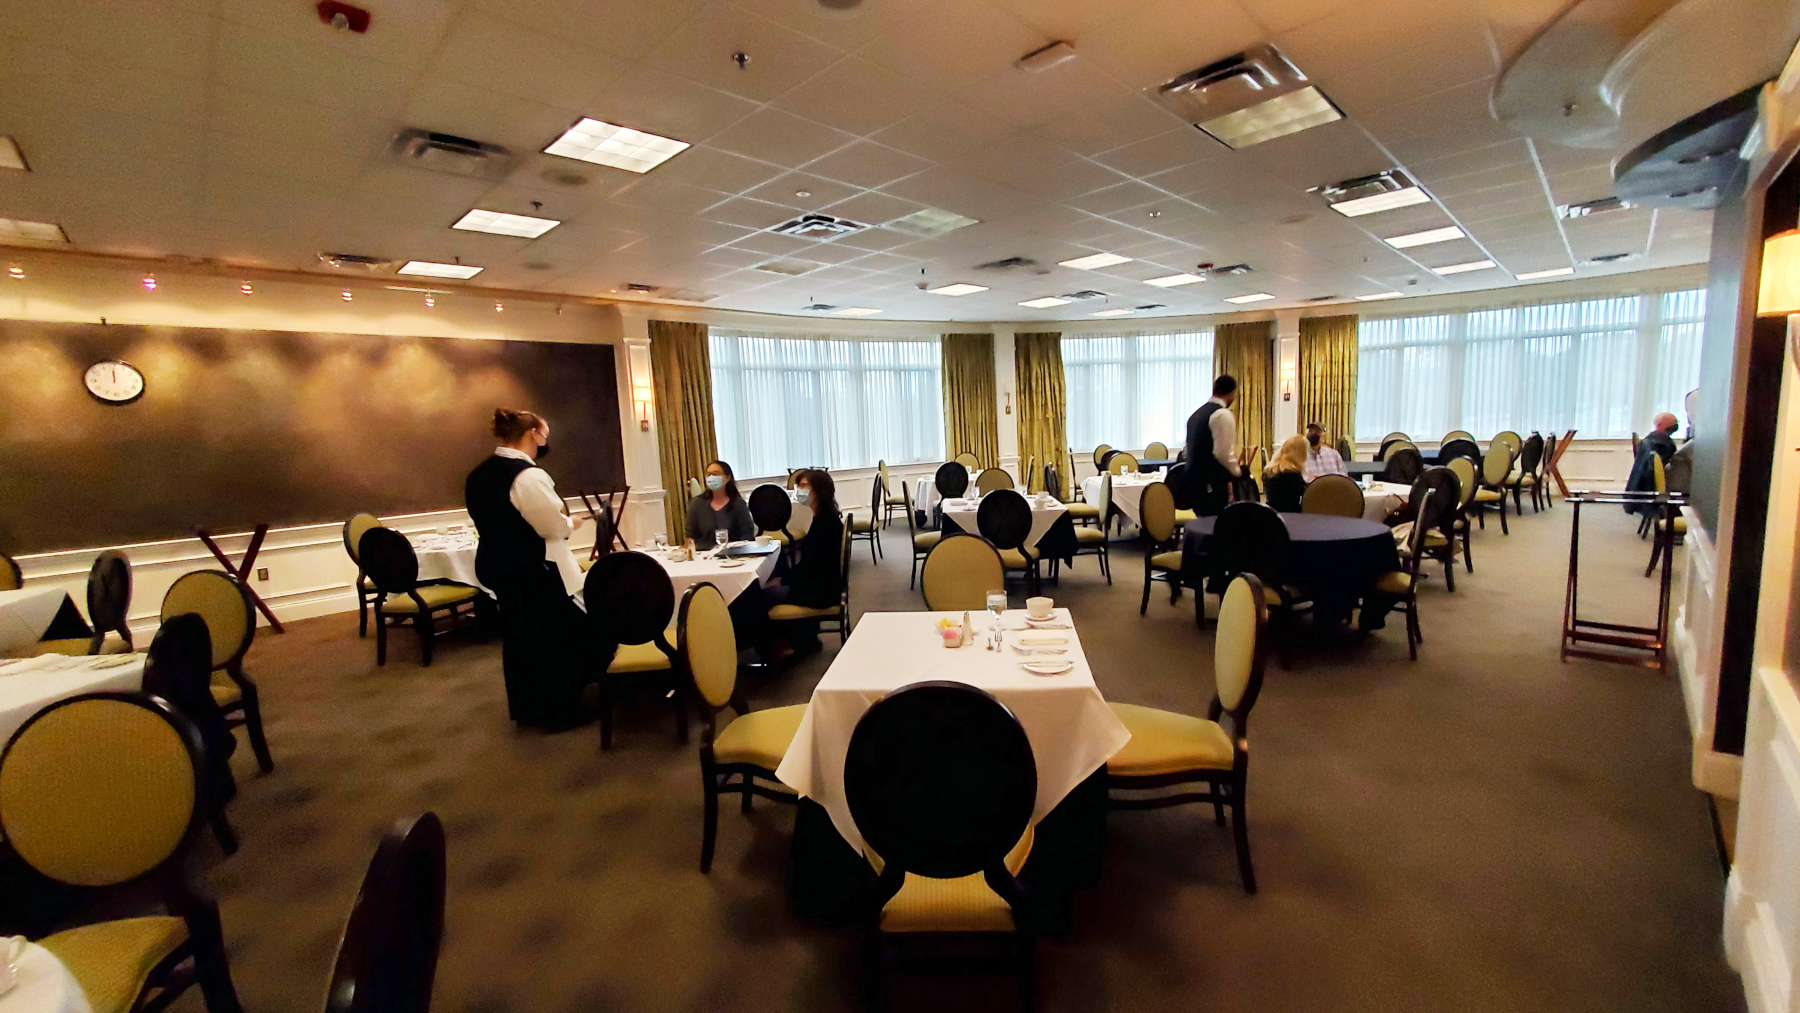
44, 985
1334, 558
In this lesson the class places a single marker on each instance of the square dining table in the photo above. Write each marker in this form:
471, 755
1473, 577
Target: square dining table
732, 575
31, 684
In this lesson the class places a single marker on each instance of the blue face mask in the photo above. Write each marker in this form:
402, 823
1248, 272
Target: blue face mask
715, 482
802, 494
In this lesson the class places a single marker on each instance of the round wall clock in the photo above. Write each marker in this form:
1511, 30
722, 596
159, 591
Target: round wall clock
114, 382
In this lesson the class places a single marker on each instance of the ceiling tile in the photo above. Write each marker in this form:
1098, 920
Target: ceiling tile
450, 107
1171, 149
666, 195
313, 73
1166, 38
786, 190
873, 208
752, 214
1025, 100
1068, 19
525, 63
942, 133
843, 28
955, 43
716, 170
1117, 197
857, 96
867, 164
1366, 33
959, 192
780, 57
1281, 15
626, 28
648, 99
782, 138
1108, 124
1461, 54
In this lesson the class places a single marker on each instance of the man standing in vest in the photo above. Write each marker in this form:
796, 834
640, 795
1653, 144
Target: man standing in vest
1212, 449
524, 558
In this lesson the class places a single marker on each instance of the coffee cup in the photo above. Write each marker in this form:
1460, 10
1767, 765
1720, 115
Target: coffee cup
762, 539
1039, 608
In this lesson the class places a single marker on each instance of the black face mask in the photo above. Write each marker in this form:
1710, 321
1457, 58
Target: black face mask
1312, 438
543, 451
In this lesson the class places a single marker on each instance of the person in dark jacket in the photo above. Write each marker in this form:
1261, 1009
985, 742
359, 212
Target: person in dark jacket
1211, 449
1660, 442
720, 507
810, 574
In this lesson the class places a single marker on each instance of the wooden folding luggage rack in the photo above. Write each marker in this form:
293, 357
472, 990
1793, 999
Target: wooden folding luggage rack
1620, 642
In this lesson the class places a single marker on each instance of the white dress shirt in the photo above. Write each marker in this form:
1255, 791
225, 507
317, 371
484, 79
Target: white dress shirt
1322, 460
534, 496
1223, 425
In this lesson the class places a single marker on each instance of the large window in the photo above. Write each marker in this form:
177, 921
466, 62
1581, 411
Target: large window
1602, 367
796, 402
1127, 390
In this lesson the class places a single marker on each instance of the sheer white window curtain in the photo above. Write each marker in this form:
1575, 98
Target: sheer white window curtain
783, 402
1127, 390
1603, 367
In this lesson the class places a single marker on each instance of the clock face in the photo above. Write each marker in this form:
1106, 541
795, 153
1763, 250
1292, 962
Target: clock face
114, 382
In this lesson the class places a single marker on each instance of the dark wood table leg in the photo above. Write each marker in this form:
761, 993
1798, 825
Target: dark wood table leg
244, 570
1568, 630
1555, 457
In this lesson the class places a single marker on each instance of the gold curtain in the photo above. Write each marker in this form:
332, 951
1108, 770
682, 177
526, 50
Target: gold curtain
1327, 375
969, 393
1043, 404
1247, 352
681, 365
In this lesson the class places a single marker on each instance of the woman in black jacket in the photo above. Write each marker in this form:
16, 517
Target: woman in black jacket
810, 574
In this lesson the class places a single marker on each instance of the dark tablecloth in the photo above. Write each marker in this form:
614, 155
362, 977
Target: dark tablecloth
67, 624
1333, 558
1153, 463
1058, 541
1358, 469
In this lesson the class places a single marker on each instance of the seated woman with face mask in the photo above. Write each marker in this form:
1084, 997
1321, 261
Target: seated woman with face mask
719, 508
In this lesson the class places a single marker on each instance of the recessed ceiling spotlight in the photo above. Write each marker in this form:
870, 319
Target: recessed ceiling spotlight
1156, 214
1046, 302
1173, 280
15, 272
604, 143
1473, 265
929, 222
501, 223
149, 282
499, 307
856, 311
1095, 260
1425, 238
1365, 195
803, 193
1110, 313
960, 288
430, 269
14, 231
1555, 272
10, 155
247, 289
1380, 295
1252, 297
347, 296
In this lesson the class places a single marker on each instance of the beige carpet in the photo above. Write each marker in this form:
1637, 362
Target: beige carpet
1484, 829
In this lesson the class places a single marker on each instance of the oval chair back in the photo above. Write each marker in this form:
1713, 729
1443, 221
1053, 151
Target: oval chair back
959, 572
993, 480
10, 577
1425, 501
1156, 512
1106, 457
770, 507
1100, 453
1250, 538
1176, 478
353, 532
941, 782
707, 642
1395, 435
1025, 472
1053, 482
1119, 462
1388, 450
388, 957
1403, 465
218, 598
179, 669
389, 560
1004, 518
1460, 447
1457, 434
630, 598
1513, 440
1446, 493
1103, 502
1240, 649
1335, 495
1346, 450
695, 487
969, 461
109, 597
952, 480
1496, 467
1530, 454
1464, 470
1156, 451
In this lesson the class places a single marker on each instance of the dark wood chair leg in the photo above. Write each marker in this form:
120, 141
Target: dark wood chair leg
381, 628
606, 715
211, 970
253, 722
1240, 832
1503, 528
710, 826
221, 828
1144, 606
1027, 944
748, 795
427, 627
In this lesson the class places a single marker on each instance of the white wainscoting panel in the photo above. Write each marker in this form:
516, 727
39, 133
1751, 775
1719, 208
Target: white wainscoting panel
1762, 898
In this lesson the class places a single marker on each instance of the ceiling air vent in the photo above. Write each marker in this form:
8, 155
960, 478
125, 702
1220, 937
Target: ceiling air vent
459, 156
1610, 258
817, 226
1224, 272
792, 268
638, 286
1593, 207
1246, 99
820, 307
1322, 298
1007, 264
1086, 293
1383, 191
355, 262
1151, 306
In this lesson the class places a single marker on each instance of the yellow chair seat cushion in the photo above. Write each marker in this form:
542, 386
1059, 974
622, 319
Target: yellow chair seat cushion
224, 691
1393, 582
1183, 516
1083, 510
788, 613
1525, 480
587, 564
111, 961
1166, 560
759, 737
1680, 525
861, 525
1488, 495
434, 596
1090, 536
926, 539
1018, 559
1164, 742
1435, 539
639, 658
964, 904
777, 536
894, 501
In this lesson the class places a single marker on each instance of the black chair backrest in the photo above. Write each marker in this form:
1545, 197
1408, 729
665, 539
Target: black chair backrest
952, 480
178, 668
1177, 480
1530, 454
1460, 448
109, 593
389, 560
1345, 449
1109, 455
1053, 481
1445, 492
940, 780
1250, 538
1004, 518
770, 508
1403, 467
629, 597
1284, 490
388, 957
604, 526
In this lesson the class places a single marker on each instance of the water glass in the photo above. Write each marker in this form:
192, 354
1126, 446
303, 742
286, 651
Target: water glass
721, 538
662, 542
996, 603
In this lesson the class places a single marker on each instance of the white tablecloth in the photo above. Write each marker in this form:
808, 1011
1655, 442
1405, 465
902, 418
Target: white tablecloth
44, 985
730, 580
1383, 498
24, 616
1072, 731
1127, 491
446, 557
1044, 512
29, 686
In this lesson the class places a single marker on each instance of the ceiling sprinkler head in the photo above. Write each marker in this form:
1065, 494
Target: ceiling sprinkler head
741, 59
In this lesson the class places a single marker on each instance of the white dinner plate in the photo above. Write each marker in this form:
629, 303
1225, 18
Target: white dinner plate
728, 563
1046, 667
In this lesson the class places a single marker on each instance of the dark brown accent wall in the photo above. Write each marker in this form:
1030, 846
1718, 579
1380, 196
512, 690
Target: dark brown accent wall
242, 427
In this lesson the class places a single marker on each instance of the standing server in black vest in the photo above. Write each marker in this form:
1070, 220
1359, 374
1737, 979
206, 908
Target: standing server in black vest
524, 558
1211, 449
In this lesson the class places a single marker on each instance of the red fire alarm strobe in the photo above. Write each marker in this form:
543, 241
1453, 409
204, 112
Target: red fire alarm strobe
342, 16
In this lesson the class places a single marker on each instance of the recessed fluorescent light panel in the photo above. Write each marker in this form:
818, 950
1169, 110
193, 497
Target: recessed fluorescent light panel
1174, 279
13, 231
1248, 98
1473, 265
957, 289
427, 269
1380, 295
856, 311
620, 147
499, 223
1365, 195
1096, 260
1046, 302
1426, 238
1555, 272
10, 155
929, 222
1252, 297
1110, 313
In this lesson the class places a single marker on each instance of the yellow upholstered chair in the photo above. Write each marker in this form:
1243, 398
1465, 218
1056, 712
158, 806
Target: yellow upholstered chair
958, 573
1464, 470
365, 592
1156, 451
1100, 454
1403, 584
393, 566
1395, 435
631, 604
838, 614
1496, 468
968, 460
1457, 434
922, 541
102, 790
10, 577
1122, 463
1091, 541
217, 597
1162, 559
750, 747
1169, 750
860, 527
1670, 532
889, 500
1025, 478
1513, 441
993, 479
1337, 495
108, 604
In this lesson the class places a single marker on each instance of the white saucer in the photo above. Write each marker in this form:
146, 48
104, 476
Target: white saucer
1051, 618
1046, 667
731, 562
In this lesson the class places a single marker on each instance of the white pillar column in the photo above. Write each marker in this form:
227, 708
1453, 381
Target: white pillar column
637, 423
1006, 400
1287, 376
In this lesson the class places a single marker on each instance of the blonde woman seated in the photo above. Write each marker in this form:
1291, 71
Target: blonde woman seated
1284, 480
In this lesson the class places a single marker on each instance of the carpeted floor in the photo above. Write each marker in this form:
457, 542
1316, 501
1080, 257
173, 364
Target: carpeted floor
1483, 829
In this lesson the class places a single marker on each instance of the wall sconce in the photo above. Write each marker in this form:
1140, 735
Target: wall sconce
1287, 379
642, 385
1778, 294
640, 400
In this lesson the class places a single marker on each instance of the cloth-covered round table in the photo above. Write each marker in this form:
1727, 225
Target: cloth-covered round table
1052, 529
1334, 558
44, 985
